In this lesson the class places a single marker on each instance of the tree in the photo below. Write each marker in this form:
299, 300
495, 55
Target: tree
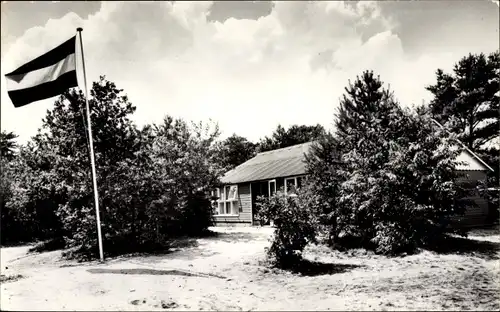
323, 166
386, 178
7, 144
234, 151
11, 228
29, 203
61, 160
9, 222
152, 182
294, 135
468, 102
184, 166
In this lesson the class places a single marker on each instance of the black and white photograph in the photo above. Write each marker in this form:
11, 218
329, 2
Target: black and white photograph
250, 155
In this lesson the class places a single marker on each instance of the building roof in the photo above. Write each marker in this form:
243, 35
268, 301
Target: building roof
470, 160
290, 161
283, 162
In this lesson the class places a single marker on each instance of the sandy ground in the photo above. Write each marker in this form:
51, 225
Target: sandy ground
227, 273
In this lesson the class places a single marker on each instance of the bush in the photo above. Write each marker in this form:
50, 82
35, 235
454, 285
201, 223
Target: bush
295, 226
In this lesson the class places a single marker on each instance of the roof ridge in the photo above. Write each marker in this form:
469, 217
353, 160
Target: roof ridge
284, 148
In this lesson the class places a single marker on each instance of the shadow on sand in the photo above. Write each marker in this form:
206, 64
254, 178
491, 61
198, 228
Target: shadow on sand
237, 237
143, 271
172, 247
459, 245
307, 267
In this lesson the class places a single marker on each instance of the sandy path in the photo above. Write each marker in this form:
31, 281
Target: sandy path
225, 273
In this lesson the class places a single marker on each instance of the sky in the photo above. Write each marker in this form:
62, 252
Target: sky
248, 66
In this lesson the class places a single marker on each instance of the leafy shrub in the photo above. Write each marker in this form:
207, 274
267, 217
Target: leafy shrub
295, 226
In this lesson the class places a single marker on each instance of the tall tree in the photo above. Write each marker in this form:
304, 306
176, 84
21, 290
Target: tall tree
385, 179
59, 158
184, 172
7, 144
152, 182
468, 99
294, 135
234, 151
365, 108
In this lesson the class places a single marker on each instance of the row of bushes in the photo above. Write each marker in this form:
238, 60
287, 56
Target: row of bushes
151, 181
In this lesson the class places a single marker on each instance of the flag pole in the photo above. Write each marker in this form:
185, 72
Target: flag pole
92, 160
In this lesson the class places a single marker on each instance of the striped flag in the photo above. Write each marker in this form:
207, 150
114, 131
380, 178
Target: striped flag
46, 76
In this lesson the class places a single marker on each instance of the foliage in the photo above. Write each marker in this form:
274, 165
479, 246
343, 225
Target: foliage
395, 187
185, 155
10, 220
467, 102
491, 155
295, 225
234, 151
492, 195
7, 145
29, 201
151, 182
324, 175
63, 145
294, 135
470, 97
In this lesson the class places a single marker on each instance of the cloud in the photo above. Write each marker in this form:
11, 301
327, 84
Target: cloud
287, 67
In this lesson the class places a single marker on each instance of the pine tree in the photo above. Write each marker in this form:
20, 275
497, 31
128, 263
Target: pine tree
7, 145
364, 116
386, 178
468, 102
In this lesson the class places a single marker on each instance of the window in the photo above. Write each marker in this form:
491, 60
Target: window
272, 187
231, 192
471, 187
227, 200
292, 184
299, 182
214, 196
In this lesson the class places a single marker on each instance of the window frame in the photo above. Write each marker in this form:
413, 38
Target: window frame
227, 202
295, 183
269, 187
